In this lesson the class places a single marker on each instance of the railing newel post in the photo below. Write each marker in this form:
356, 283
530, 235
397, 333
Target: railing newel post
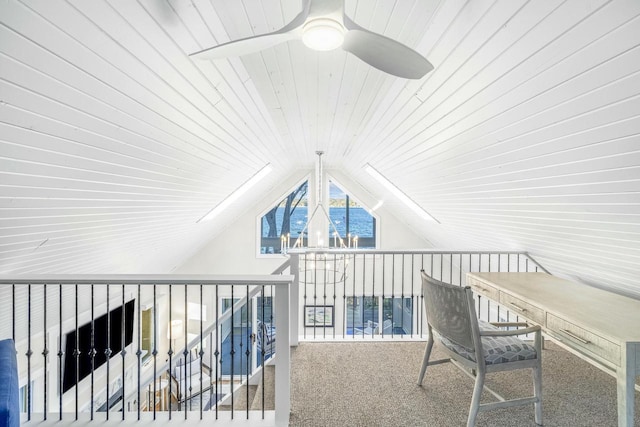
283, 362
294, 313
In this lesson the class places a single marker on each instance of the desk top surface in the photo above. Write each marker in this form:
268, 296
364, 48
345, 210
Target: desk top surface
606, 312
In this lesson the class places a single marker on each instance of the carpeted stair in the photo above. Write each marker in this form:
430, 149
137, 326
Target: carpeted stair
269, 390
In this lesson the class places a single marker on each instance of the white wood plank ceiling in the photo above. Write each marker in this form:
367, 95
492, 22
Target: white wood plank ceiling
113, 142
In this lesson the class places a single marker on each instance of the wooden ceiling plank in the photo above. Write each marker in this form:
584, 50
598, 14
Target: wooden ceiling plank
557, 76
67, 70
153, 70
468, 60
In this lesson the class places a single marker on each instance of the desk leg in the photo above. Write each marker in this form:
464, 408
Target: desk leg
626, 377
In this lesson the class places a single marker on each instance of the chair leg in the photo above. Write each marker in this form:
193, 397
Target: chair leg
537, 392
425, 361
475, 400
537, 378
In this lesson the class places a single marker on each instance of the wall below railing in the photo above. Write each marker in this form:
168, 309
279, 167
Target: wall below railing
130, 347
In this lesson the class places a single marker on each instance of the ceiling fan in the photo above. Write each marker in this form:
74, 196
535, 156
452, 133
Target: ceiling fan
323, 25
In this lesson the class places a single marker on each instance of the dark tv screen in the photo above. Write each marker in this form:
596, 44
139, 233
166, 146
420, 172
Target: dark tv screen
100, 343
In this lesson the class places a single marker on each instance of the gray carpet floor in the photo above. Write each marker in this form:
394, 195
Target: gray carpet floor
374, 384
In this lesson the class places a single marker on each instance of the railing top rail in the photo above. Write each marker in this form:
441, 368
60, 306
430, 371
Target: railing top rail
298, 251
351, 251
145, 279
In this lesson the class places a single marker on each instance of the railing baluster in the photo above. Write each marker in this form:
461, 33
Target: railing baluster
211, 377
315, 289
508, 270
420, 310
413, 302
92, 351
217, 353
76, 351
154, 353
262, 346
187, 379
499, 269
363, 305
374, 298
393, 293
402, 297
139, 352
384, 265
232, 354
201, 351
29, 352
45, 354
171, 349
123, 352
451, 268
60, 352
479, 269
335, 271
107, 351
488, 300
324, 295
248, 344
344, 296
13, 312
304, 328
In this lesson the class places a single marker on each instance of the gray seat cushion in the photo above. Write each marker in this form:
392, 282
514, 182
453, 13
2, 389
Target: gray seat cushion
496, 349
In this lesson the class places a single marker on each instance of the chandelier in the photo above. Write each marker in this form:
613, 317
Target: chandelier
320, 263
320, 214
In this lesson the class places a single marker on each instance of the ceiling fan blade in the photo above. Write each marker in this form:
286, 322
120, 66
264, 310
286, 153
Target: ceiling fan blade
253, 44
384, 53
244, 46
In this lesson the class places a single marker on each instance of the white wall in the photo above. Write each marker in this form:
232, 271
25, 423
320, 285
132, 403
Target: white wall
234, 250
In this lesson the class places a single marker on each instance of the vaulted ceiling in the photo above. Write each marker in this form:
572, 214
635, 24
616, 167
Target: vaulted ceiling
114, 142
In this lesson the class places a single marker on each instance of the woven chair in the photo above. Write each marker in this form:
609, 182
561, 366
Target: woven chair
451, 315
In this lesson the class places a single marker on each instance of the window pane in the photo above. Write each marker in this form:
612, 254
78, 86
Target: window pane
287, 218
264, 309
400, 312
362, 316
265, 329
350, 220
236, 336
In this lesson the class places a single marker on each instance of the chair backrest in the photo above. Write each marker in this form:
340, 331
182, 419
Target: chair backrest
450, 311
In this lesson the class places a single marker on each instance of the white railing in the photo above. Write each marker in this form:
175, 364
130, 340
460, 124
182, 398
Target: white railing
91, 347
377, 294
224, 334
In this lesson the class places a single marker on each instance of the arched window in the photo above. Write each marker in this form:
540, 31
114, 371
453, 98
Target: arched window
287, 219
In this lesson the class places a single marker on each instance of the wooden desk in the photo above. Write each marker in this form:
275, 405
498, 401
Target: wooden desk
599, 326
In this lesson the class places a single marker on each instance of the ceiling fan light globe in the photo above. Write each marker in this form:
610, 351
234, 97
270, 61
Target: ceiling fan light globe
323, 34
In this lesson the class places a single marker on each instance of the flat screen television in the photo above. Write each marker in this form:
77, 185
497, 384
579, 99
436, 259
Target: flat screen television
100, 343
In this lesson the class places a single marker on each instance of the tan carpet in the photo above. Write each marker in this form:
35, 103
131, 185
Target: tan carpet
374, 384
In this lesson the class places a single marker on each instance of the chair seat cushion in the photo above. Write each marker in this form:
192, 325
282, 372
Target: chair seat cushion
496, 349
